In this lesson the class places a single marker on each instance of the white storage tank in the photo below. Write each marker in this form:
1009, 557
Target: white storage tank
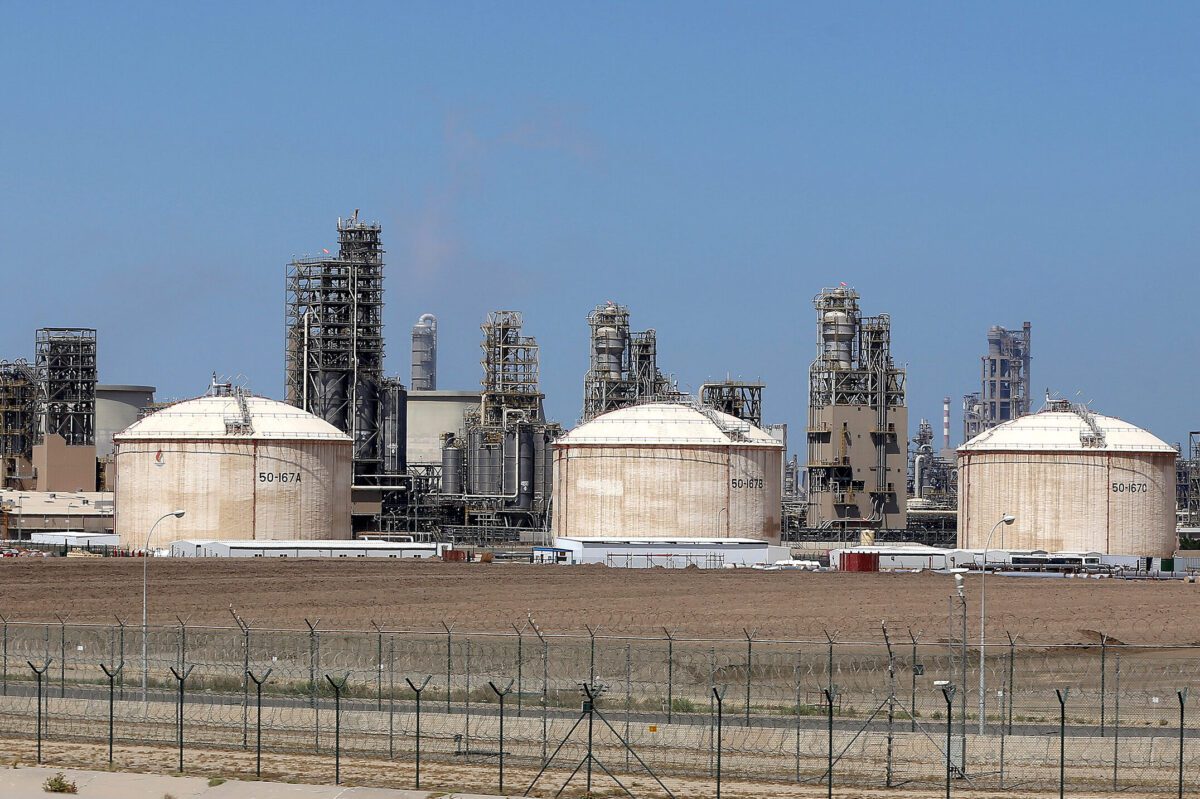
667, 470
1076, 482
241, 467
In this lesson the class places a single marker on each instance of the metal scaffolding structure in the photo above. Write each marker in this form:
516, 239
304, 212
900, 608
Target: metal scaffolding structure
334, 340
623, 368
510, 369
856, 398
18, 417
931, 477
1187, 470
736, 398
1004, 392
65, 366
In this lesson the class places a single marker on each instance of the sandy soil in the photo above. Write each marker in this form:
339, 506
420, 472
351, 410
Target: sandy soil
713, 604
448, 777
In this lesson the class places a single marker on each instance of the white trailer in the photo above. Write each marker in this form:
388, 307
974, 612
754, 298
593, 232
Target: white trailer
194, 548
670, 553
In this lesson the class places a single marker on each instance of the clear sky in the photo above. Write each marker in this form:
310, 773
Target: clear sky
711, 165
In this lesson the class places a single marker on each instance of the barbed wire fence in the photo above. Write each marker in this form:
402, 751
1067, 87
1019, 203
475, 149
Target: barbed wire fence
1123, 726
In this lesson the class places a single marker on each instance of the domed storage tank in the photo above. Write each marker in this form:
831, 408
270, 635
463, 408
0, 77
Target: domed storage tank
667, 470
241, 467
1076, 481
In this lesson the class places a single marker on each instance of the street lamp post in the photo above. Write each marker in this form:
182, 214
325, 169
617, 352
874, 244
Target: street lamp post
178, 514
1005, 520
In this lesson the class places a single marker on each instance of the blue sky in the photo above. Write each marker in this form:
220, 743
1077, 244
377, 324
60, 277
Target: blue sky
710, 165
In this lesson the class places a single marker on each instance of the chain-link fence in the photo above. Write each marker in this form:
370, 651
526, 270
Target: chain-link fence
903, 709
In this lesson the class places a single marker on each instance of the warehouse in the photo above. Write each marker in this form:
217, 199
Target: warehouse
212, 548
668, 553
240, 468
665, 470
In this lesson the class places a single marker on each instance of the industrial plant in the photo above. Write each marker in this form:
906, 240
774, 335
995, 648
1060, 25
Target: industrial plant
351, 452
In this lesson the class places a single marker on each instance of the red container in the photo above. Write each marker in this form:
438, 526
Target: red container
454, 554
860, 561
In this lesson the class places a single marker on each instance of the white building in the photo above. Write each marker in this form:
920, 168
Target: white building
670, 553
211, 548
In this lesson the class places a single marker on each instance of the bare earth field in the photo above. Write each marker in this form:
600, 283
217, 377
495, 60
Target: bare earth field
691, 603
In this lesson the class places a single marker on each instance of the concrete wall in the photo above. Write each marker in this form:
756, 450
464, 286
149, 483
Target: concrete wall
432, 413
60, 467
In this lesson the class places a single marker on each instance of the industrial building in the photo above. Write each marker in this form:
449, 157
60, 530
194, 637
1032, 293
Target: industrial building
241, 467
334, 357
667, 553
667, 470
1076, 482
27, 514
857, 420
1004, 392
213, 548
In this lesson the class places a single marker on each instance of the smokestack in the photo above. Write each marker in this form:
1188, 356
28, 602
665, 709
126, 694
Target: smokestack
946, 423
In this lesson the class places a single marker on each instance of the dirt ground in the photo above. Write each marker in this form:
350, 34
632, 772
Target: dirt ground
690, 602
444, 777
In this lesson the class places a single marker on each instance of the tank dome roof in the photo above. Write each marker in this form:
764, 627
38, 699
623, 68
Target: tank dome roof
668, 423
216, 417
1060, 428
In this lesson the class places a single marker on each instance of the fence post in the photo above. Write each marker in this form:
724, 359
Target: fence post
121, 657
948, 690
545, 685
245, 683
500, 695
1182, 694
314, 658
712, 709
391, 697
719, 696
628, 695
111, 675
1062, 739
448, 642
338, 687
520, 664
670, 674
62, 655
891, 712
378, 665
467, 683
258, 684
1012, 687
592, 654
39, 672
1004, 697
1103, 675
916, 669
417, 690
830, 695
4, 690
749, 667
1116, 719
796, 669
181, 678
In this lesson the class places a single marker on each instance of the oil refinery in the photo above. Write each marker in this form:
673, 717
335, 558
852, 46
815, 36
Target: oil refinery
352, 452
